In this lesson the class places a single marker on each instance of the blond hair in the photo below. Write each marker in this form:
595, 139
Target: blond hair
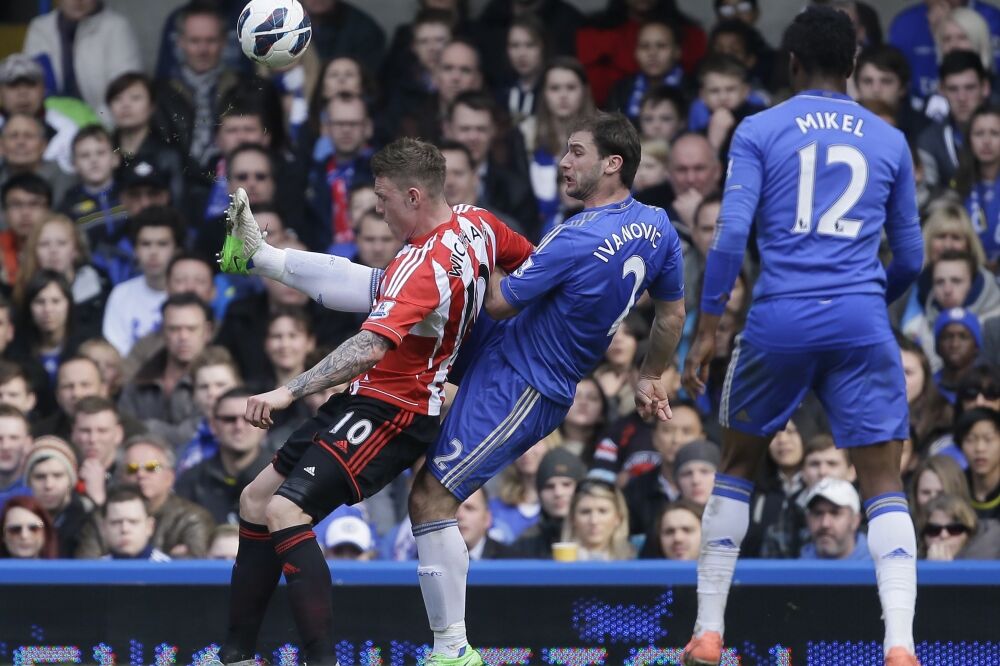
947, 215
975, 28
955, 506
619, 547
28, 266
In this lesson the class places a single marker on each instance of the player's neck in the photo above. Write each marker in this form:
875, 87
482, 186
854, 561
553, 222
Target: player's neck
603, 197
439, 213
836, 85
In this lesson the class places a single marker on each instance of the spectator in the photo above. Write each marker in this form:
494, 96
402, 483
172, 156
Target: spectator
775, 515
37, 379
182, 527
26, 200
913, 32
213, 372
15, 442
516, 506
224, 543
161, 393
833, 516
740, 40
132, 103
78, 377
652, 171
461, 184
558, 474
694, 470
978, 387
108, 361
339, 76
618, 372
27, 530
565, 99
657, 54
598, 522
694, 174
58, 245
98, 435
952, 531
84, 45
15, 388
585, 419
822, 459
676, 533
457, 71
527, 48
23, 142
929, 411
50, 472
22, 90
934, 476
341, 29
882, 73
958, 340
966, 85
650, 490
662, 114
706, 218
724, 99
977, 177
963, 28
134, 306
474, 521
348, 537
95, 199
376, 244
128, 526
977, 432
216, 483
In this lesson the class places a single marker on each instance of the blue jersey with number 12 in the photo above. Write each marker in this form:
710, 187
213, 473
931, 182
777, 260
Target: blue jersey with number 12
821, 176
579, 284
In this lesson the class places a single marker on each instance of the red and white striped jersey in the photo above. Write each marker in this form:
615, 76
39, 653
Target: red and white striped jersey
428, 300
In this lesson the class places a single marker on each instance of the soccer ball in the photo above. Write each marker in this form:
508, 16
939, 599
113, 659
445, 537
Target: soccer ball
274, 33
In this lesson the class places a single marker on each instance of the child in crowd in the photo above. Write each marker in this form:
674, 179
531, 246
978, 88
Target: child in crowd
724, 99
657, 54
94, 202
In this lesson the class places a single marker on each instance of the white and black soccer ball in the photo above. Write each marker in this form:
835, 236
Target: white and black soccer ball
274, 33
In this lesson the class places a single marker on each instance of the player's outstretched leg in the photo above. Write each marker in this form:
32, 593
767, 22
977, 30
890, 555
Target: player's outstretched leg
443, 568
723, 526
892, 544
256, 572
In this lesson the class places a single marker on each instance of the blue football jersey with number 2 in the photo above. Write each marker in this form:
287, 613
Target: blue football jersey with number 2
578, 285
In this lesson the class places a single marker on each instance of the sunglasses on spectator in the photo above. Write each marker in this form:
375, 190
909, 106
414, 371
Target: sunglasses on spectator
973, 392
32, 528
259, 176
729, 11
151, 466
953, 529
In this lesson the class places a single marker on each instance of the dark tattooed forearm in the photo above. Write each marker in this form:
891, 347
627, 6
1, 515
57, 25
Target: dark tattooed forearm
346, 361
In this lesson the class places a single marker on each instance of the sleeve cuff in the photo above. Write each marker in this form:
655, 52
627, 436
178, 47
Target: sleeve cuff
382, 329
508, 293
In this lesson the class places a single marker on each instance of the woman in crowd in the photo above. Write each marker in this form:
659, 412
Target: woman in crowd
952, 530
598, 522
978, 178
676, 534
527, 52
936, 475
929, 412
213, 373
617, 374
586, 419
58, 245
48, 330
28, 533
565, 100
108, 360
775, 520
516, 507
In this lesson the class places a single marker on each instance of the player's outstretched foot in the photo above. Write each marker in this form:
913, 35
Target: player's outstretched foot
704, 650
469, 657
243, 236
900, 656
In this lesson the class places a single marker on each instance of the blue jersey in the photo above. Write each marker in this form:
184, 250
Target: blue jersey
820, 176
579, 284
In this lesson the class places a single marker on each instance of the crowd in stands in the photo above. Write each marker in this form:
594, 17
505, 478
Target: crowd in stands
128, 359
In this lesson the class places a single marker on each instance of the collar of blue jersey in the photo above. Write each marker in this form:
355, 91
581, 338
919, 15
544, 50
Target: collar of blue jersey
618, 205
826, 93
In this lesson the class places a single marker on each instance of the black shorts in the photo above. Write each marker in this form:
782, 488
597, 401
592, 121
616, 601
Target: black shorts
350, 450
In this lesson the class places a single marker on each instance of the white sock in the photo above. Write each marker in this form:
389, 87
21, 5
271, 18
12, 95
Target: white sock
444, 566
334, 282
893, 546
723, 526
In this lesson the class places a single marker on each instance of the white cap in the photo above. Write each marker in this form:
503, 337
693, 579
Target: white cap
351, 530
836, 491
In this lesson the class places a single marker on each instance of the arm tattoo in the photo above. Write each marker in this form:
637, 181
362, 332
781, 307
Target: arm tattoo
348, 360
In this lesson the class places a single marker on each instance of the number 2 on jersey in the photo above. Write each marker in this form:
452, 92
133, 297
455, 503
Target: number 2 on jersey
634, 265
830, 223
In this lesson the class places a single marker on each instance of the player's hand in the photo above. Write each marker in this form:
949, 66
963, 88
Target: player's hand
719, 125
686, 203
696, 365
94, 477
651, 399
260, 407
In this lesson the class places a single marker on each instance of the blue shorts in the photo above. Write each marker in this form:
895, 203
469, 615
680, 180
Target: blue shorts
862, 390
495, 418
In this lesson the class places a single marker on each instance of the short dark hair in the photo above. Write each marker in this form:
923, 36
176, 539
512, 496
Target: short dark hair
159, 216
125, 81
10, 371
967, 421
958, 255
235, 392
821, 442
887, 58
121, 493
430, 15
297, 314
658, 94
12, 412
477, 100
95, 404
406, 161
723, 64
734, 26
30, 183
251, 148
200, 8
93, 131
960, 61
823, 40
187, 299
614, 134
190, 256
457, 146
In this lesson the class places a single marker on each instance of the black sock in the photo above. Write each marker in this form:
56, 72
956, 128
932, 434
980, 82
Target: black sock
310, 591
255, 576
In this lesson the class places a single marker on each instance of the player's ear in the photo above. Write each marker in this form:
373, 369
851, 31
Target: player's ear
615, 163
413, 196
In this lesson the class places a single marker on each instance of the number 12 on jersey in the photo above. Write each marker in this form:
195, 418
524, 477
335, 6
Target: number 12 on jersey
831, 222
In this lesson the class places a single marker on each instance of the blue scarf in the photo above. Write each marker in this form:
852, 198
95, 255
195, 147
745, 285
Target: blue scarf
673, 79
983, 205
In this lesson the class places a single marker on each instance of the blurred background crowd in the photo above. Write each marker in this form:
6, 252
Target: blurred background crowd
127, 359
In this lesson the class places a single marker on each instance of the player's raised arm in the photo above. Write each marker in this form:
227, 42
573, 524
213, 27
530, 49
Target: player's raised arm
902, 226
334, 282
